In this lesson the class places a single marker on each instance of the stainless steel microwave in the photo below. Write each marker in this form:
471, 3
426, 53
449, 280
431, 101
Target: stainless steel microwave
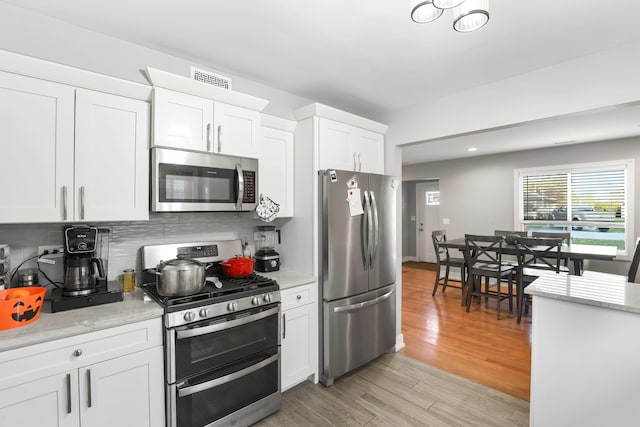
191, 181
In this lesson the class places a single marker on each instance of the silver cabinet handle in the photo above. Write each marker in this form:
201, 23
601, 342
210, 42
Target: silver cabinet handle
209, 137
284, 325
355, 167
68, 393
64, 202
240, 186
78, 352
82, 202
298, 297
359, 162
219, 138
89, 388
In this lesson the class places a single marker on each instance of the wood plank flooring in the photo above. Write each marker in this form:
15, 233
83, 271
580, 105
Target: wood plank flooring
476, 371
475, 345
396, 390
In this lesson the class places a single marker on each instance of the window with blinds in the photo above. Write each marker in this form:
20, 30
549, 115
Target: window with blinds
588, 200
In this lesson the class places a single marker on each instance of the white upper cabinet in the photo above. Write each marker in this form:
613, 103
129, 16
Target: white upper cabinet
276, 167
36, 134
194, 123
70, 163
182, 121
111, 157
342, 140
236, 130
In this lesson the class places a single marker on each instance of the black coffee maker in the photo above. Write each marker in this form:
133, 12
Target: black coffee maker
81, 267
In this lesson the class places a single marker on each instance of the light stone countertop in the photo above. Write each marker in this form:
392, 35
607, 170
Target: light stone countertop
605, 290
51, 326
287, 278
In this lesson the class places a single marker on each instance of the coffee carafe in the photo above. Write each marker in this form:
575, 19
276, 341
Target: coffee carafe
81, 267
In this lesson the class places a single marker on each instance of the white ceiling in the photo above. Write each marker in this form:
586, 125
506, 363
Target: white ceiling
367, 56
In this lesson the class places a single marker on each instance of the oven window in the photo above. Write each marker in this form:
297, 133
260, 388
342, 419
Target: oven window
194, 184
205, 406
200, 353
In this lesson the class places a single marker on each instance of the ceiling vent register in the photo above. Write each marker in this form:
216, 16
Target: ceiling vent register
204, 76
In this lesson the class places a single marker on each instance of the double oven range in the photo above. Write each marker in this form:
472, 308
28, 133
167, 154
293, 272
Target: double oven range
222, 345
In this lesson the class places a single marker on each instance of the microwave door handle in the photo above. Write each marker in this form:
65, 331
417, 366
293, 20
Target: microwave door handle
240, 186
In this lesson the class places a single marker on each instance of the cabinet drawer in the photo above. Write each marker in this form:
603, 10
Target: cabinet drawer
73, 352
299, 296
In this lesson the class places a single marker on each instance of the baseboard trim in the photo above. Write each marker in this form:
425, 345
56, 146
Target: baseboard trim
399, 342
409, 258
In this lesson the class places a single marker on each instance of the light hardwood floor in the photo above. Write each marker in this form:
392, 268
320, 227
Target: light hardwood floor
475, 345
400, 390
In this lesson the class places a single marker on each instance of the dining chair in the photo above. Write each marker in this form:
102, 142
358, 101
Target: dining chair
443, 259
509, 235
483, 255
565, 236
633, 268
535, 254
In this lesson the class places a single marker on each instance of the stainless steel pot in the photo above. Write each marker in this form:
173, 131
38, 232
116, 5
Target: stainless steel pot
180, 277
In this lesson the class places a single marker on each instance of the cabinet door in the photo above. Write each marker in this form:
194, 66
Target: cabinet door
111, 157
236, 130
334, 145
182, 121
36, 127
126, 391
276, 168
299, 337
369, 149
48, 402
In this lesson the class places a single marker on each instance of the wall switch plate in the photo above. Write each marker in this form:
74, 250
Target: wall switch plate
445, 221
53, 250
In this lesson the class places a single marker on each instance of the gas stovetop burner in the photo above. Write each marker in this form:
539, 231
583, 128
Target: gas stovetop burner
231, 288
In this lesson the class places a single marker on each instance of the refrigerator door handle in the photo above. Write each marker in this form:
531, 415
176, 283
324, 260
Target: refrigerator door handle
376, 229
360, 305
369, 234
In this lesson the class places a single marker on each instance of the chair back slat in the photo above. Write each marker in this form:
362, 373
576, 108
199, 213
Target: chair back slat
539, 252
442, 253
487, 249
566, 237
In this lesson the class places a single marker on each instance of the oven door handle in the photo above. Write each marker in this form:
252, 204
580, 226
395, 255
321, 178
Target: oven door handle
227, 378
203, 330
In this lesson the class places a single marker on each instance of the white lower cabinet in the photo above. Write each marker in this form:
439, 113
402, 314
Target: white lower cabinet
112, 377
299, 335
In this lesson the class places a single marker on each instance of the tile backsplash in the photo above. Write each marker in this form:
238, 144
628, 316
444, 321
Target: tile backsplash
127, 237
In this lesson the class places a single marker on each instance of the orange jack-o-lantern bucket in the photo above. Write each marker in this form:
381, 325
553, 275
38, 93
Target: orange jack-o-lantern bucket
20, 306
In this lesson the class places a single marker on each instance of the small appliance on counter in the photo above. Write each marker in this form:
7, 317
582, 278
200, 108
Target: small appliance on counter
85, 278
4, 266
267, 259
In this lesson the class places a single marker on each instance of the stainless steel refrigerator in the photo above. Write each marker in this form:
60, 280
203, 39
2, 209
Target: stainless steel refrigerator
357, 239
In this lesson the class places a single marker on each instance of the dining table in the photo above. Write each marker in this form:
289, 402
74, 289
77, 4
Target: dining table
575, 251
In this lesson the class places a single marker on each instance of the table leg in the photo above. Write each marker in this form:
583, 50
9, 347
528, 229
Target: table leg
577, 266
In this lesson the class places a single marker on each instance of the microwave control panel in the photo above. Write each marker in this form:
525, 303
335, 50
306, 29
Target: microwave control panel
249, 187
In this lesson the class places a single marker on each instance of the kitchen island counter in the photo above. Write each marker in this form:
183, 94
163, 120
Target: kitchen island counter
585, 350
287, 278
51, 326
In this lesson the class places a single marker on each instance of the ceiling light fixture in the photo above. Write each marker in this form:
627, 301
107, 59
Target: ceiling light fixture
468, 15
472, 149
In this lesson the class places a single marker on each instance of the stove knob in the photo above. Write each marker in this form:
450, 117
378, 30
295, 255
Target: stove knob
267, 298
255, 300
204, 313
232, 306
189, 316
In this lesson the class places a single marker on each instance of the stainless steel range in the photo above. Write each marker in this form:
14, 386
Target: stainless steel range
222, 345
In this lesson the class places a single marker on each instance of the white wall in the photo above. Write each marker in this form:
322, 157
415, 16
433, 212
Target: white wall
601, 80
32, 34
477, 194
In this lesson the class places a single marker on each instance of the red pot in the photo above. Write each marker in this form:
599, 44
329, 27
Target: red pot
238, 267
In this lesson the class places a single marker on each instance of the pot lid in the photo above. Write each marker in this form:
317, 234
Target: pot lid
180, 262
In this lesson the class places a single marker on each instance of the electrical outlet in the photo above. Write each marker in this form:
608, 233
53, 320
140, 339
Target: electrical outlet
52, 250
